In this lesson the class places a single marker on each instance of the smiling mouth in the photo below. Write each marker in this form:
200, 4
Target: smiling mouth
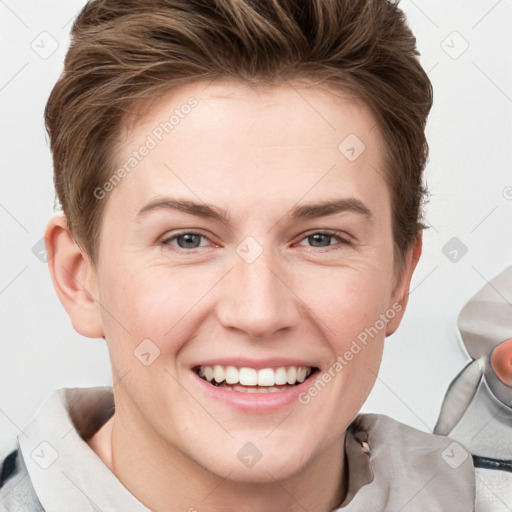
251, 380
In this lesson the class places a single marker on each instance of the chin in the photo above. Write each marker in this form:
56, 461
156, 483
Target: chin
266, 465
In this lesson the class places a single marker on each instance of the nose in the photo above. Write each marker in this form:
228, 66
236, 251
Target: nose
258, 298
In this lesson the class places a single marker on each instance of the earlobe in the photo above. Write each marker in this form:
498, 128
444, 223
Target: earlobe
74, 278
400, 294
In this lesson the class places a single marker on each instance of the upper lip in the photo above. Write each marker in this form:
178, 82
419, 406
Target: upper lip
243, 362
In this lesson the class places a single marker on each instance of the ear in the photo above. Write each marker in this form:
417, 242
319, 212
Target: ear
400, 295
74, 278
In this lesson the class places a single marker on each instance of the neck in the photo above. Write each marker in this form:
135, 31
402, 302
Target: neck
160, 475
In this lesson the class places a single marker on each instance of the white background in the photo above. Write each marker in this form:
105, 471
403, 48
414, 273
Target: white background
468, 174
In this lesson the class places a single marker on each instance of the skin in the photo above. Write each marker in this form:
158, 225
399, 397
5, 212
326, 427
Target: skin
256, 154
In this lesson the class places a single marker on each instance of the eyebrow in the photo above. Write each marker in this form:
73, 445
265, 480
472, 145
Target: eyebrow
305, 211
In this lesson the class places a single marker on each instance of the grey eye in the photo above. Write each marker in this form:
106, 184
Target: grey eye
188, 240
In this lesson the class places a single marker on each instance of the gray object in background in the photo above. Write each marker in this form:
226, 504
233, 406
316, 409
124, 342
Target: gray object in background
477, 409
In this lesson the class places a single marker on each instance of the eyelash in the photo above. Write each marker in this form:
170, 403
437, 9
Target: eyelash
334, 234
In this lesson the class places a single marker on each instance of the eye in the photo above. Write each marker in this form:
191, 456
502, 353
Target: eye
324, 239
185, 240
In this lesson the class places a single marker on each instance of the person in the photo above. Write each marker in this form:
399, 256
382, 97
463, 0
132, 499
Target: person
241, 184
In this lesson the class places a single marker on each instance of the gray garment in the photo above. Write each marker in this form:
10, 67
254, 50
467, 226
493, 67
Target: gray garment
473, 416
392, 467
477, 409
18, 494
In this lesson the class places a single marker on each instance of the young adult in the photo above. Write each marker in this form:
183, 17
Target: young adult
241, 190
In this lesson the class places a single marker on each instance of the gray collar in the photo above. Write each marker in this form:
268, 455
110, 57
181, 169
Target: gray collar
391, 466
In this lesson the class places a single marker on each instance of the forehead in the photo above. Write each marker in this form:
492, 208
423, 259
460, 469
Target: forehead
230, 142
291, 114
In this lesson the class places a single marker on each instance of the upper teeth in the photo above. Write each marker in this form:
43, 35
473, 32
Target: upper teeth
252, 377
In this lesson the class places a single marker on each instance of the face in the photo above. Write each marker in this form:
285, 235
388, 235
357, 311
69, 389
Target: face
251, 241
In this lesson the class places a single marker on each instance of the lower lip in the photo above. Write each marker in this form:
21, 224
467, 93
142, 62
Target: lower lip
254, 402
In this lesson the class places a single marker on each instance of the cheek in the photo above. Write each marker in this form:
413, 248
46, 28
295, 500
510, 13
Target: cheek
352, 309
346, 300
135, 293
135, 306
155, 302
357, 333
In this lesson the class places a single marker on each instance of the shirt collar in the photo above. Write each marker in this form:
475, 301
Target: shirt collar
63, 469
390, 465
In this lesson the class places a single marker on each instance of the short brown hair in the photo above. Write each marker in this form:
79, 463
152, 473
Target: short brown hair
125, 52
